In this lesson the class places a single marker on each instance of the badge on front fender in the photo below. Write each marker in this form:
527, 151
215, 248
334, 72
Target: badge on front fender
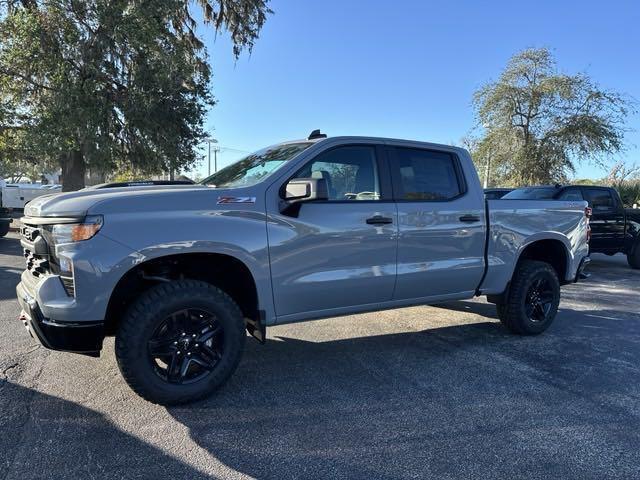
226, 200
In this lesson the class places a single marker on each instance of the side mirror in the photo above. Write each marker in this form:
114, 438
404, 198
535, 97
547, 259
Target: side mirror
300, 190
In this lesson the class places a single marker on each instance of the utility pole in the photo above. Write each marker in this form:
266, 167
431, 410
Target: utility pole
209, 141
486, 171
216, 149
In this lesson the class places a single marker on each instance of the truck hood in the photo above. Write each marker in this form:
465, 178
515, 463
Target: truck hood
77, 204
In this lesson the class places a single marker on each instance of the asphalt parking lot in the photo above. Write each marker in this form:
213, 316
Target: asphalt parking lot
426, 392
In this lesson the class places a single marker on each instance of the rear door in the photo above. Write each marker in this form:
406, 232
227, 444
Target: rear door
441, 224
607, 220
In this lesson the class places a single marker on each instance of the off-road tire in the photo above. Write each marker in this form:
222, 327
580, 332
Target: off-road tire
140, 321
512, 313
633, 257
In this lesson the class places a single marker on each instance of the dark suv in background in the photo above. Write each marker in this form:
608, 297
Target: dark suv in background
614, 229
5, 221
496, 193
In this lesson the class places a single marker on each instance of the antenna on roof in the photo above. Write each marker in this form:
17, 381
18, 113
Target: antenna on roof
316, 134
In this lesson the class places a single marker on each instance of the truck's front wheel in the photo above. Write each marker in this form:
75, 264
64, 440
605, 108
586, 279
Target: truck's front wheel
4, 229
180, 341
533, 298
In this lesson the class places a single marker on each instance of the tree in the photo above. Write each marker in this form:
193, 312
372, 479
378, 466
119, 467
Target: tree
110, 84
621, 173
539, 123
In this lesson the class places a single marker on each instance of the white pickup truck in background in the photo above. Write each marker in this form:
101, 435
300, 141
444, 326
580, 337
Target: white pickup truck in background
16, 195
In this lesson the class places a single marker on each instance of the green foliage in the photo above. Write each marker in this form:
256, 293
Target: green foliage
625, 178
584, 181
539, 123
629, 192
111, 84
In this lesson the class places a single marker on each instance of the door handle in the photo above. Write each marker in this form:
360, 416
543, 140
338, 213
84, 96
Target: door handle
469, 218
379, 220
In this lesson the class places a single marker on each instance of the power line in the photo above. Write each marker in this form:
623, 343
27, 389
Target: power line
231, 149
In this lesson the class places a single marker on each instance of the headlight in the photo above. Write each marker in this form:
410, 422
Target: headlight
76, 232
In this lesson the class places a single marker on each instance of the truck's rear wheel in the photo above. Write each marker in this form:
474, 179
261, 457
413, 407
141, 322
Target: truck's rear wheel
533, 298
180, 341
633, 257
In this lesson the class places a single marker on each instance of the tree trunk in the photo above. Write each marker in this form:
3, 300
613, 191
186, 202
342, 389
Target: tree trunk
73, 171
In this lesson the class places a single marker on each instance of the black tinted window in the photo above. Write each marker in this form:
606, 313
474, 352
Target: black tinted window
599, 199
350, 173
426, 175
495, 194
531, 193
571, 194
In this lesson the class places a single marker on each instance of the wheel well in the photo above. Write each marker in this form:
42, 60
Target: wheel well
552, 252
225, 272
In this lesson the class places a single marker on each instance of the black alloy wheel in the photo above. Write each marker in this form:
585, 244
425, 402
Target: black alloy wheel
180, 341
539, 299
531, 302
186, 346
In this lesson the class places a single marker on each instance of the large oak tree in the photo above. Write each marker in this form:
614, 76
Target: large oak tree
104, 84
538, 122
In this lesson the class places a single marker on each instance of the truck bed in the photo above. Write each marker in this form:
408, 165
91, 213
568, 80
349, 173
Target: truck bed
515, 224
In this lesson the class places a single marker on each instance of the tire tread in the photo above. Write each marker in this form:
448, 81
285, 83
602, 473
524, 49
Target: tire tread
129, 329
509, 311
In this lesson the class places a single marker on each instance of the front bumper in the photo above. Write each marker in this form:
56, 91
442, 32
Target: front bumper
79, 337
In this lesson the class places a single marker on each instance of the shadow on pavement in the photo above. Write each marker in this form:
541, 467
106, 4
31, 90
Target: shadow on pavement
48, 437
10, 246
469, 401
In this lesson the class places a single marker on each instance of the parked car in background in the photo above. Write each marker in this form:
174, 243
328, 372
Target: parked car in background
16, 195
496, 193
614, 229
297, 231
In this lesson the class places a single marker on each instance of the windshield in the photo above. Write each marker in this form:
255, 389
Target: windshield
539, 193
255, 167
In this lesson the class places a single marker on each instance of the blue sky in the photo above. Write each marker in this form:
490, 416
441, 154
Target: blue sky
407, 68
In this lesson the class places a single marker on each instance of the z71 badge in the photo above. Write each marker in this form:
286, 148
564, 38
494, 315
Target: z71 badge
225, 200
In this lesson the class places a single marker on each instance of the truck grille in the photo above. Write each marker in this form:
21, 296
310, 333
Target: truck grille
41, 258
37, 264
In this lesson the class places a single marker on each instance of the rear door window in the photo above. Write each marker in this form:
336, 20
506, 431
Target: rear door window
571, 194
600, 199
426, 175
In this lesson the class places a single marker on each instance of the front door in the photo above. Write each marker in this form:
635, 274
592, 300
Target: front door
442, 225
340, 253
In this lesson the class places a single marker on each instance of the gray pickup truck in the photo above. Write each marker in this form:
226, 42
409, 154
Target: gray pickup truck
300, 230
